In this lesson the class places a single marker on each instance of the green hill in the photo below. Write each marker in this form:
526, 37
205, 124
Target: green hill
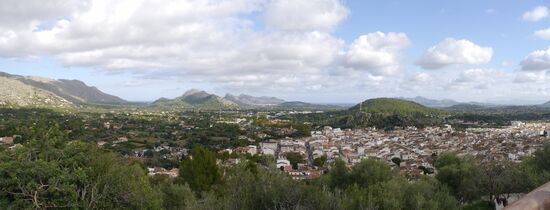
384, 113
393, 106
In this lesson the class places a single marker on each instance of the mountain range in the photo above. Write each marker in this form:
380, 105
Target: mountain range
40, 91
195, 99
198, 99
444, 103
36, 91
251, 101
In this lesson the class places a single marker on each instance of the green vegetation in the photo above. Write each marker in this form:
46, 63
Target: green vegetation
52, 171
294, 158
393, 106
200, 170
60, 165
385, 113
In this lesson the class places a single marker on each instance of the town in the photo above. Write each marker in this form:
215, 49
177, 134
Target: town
411, 150
304, 156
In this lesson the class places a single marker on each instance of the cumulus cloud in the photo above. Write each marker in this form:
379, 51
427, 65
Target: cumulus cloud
203, 40
305, 15
24, 14
422, 77
478, 78
536, 61
536, 14
529, 77
475, 75
377, 52
451, 51
542, 34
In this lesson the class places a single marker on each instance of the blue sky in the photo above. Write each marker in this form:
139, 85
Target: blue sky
311, 50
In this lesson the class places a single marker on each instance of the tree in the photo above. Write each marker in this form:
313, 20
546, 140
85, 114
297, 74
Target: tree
53, 174
537, 167
461, 175
396, 160
501, 178
200, 170
320, 161
294, 158
175, 196
339, 175
370, 172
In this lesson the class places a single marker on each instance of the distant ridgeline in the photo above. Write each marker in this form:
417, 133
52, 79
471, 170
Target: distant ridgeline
201, 100
34, 91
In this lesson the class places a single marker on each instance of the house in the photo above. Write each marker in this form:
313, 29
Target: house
252, 149
6, 140
268, 148
120, 140
283, 163
173, 173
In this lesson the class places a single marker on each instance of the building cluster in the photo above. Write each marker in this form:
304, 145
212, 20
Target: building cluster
412, 150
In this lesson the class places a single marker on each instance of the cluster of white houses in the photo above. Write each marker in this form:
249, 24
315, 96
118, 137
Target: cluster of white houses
414, 148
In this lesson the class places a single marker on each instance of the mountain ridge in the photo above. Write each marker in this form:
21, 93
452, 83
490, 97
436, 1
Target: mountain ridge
195, 99
65, 92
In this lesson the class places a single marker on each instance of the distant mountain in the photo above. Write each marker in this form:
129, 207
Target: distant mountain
466, 107
40, 91
547, 104
195, 99
432, 102
251, 101
298, 105
198, 99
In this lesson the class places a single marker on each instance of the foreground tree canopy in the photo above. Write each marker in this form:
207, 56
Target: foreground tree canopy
49, 171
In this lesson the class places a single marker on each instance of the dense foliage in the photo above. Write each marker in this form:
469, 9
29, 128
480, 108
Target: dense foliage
51, 172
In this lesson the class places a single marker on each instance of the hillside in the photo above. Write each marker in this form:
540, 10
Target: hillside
16, 93
385, 113
393, 106
195, 99
71, 91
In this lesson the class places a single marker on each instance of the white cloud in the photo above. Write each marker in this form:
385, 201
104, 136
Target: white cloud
377, 52
213, 42
451, 51
530, 77
422, 77
476, 75
222, 46
305, 15
542, 34
536, 14
202, 40
536, 61
17, 14
479, 79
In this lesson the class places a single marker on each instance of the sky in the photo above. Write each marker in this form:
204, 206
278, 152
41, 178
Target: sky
324, 51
